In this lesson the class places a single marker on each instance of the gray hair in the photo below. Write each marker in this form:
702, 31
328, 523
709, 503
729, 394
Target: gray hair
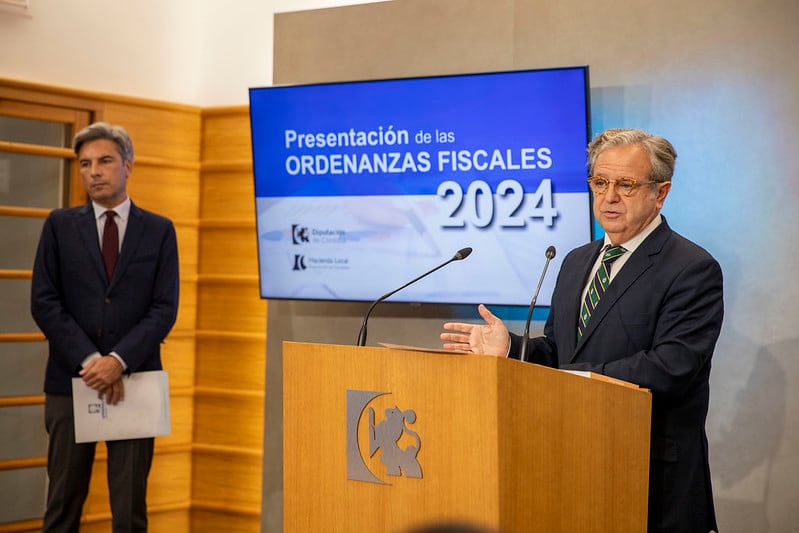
103, 130
661, 152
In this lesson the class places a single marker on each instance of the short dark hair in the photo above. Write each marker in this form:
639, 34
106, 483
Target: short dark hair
103, 130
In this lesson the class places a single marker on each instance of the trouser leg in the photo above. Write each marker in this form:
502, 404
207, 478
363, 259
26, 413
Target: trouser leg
69, 467
129, 464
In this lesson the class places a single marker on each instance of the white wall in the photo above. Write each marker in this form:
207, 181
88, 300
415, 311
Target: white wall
200, 52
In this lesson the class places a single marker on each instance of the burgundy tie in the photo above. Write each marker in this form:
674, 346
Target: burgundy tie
110, 243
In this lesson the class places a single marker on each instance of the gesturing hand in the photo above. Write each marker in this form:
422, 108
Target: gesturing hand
491, 338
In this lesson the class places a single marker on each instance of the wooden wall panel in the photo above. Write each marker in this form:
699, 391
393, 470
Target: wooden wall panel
231, 336
216, 520
170, 191
181, 403
228, 186
228, 480
219, 360
231, 305
170, 479
230, 249
187, 308
177, 355
229, 419
171, 133
188, 250
226, 135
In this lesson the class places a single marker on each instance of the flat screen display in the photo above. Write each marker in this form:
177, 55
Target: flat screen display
362, 186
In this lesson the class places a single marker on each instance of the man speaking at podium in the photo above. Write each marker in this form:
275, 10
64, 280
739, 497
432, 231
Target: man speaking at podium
643, 305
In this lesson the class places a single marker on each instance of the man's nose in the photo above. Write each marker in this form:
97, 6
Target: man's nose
612, 195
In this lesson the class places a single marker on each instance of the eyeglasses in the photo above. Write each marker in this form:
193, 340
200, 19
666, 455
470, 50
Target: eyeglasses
624, 186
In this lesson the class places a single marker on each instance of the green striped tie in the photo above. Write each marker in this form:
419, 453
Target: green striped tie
598, 286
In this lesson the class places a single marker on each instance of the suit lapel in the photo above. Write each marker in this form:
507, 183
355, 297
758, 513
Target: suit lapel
581, 274
573, 295
87, 227
634, 268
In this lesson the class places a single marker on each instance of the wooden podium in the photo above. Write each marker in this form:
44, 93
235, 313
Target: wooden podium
500, 443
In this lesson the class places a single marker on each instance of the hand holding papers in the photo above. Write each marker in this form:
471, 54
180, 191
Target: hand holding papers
143, 413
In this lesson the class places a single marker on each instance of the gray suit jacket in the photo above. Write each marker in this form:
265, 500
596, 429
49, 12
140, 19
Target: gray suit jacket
81, 312
656, 326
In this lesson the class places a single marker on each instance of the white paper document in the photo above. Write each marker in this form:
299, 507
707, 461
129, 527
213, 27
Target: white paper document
143, 413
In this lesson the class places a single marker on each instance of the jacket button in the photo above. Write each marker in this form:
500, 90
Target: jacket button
108, 300
99, 333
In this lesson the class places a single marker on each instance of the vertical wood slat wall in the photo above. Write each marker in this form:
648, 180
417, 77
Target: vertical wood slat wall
206, 476
231, 334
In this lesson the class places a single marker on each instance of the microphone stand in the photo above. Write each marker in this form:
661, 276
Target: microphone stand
461, 254
550, 253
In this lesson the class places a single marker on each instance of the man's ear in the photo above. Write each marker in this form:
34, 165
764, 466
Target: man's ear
662, 192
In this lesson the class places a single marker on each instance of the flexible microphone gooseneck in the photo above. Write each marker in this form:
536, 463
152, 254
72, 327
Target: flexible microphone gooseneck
461, 254
550, 253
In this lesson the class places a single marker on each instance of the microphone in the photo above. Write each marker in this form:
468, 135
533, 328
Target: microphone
463, 253
550, 253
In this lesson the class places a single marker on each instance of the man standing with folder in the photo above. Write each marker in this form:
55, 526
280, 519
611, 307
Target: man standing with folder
105, 294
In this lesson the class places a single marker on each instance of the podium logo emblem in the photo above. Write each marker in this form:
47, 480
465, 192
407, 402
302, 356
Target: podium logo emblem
398, 458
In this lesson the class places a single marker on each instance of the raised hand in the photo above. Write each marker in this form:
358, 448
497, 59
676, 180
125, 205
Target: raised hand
491, 338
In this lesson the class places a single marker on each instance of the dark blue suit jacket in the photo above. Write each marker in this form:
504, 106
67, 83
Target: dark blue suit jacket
80, 312
656, 326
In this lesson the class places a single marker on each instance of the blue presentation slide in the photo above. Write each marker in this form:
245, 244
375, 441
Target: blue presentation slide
363, 186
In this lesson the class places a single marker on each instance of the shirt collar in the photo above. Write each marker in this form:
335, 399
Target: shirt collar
122, 210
